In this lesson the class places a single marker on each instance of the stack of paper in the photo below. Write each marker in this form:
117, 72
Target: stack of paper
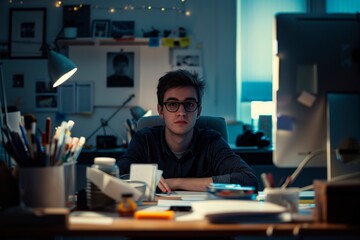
148, 173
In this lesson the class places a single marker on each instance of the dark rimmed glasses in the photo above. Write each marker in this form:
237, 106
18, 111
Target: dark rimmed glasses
189, 106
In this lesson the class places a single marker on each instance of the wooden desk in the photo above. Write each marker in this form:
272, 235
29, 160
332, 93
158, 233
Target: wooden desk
195, 229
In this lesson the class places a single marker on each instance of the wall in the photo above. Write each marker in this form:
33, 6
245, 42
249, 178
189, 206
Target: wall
211, 26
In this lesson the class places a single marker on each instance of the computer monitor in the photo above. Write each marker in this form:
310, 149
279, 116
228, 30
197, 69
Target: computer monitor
316, 54
343, 147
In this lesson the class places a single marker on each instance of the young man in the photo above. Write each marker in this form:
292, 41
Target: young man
190, 158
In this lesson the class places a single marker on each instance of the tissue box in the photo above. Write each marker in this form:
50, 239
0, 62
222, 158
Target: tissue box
337, 202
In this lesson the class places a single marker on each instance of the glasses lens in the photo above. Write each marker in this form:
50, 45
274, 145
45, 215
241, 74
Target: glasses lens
190, 106
172, 106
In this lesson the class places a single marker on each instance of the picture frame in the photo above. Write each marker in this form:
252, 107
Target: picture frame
100, 28
122, 29
187, 59
46, 97
27, 34
120, 69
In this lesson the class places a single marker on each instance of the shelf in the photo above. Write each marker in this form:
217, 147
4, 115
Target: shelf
102, 42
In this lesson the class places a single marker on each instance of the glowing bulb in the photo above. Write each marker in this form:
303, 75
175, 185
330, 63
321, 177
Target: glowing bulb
182, 0
76, 8
149, 7
163, 9
187, 13
58, 4
112, 10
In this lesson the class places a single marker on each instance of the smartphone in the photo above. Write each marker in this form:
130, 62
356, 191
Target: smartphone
181, 208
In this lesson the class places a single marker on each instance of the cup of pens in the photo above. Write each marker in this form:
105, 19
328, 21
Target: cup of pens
46, 165
286, 197
42, 187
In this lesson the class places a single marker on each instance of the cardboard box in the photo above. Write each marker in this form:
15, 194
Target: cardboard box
337, 202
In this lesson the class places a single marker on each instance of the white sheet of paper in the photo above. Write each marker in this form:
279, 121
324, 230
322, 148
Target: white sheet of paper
185, 195
81, 217
146, 173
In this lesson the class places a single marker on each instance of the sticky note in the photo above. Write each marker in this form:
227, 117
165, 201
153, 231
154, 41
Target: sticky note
154, 42
285, 123
168, 42
184, 42
306, 99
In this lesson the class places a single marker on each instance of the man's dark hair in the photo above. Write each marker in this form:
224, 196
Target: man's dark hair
120, 58
179, 78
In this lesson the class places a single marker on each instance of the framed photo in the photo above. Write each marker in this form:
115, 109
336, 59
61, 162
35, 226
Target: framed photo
122, 29
46, 97
187, 59
100, 28
120, 69
27, 32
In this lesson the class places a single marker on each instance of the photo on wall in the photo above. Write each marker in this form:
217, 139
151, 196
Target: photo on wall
120, 69
187, 59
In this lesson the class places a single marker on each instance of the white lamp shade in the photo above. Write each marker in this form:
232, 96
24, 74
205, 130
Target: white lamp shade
60, 68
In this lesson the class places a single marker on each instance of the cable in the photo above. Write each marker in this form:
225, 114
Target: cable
297, 171
335, 179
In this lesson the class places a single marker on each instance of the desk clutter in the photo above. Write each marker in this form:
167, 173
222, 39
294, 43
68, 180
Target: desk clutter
337, 202
28, 149
42, 166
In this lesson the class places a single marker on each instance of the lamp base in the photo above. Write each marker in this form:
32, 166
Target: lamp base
105, 141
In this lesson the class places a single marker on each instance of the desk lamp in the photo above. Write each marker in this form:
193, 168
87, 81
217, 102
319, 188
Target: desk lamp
138, 112
60, 68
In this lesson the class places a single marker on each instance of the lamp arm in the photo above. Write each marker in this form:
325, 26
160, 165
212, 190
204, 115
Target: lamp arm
3, 116
105, 122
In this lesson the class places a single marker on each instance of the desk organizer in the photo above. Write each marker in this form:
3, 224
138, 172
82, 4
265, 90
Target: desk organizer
337, 202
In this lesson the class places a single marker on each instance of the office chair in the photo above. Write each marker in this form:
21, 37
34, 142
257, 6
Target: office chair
216, 123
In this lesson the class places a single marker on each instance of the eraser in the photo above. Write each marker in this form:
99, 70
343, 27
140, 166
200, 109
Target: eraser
143, 214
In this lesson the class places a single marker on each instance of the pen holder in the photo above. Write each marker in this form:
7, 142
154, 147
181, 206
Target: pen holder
48, 187
288, 197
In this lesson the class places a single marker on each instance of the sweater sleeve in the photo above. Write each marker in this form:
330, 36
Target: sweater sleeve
229, 167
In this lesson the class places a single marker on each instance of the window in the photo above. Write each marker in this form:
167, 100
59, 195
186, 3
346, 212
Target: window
255, 49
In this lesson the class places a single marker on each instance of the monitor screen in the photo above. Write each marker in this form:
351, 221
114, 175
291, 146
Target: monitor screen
316, 54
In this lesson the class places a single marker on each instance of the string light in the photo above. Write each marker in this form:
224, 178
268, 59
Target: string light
176, 9
58, 4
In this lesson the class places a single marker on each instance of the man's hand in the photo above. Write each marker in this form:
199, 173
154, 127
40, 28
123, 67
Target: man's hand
164, 187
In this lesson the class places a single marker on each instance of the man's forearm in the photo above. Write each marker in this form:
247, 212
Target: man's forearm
188, 184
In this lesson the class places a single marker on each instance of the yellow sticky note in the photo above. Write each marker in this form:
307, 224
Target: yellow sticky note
168, 42
184, 42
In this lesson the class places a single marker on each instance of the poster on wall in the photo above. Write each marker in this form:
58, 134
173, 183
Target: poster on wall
120, 69
27, 32
187, 59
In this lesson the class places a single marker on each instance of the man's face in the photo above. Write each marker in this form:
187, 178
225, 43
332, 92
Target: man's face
181, 121
121, 68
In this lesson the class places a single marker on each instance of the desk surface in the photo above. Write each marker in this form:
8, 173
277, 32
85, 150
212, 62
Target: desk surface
165, 228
